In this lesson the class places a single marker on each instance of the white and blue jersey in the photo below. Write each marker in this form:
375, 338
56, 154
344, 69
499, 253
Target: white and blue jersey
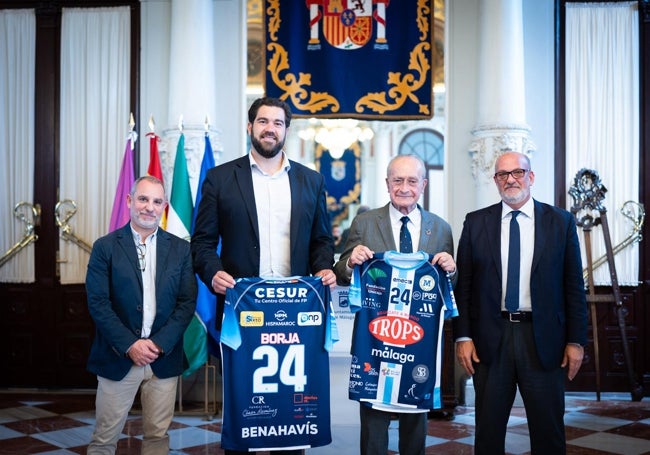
401, 302
275, 339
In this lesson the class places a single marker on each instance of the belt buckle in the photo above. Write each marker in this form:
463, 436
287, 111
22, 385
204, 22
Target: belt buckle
510, 317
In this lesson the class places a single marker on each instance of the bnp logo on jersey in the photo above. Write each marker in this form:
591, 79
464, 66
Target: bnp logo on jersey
397, 331
309, 318
251, 319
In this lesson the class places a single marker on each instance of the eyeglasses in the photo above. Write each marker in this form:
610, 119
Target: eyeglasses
412, 182
502, 176
142, 256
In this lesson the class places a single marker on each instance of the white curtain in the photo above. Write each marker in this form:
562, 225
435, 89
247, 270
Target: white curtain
17, 64
94, 122
602, 122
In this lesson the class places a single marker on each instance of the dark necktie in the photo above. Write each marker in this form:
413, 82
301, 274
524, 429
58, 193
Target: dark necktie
405, 244
512, 285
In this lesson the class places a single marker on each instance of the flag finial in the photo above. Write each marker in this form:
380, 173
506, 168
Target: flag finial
207, 123
180, 123
152, 124
131, 122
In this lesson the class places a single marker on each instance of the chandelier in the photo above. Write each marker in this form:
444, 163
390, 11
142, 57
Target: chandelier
336, 135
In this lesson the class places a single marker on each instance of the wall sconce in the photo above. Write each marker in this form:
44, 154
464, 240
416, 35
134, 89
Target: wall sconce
336, 135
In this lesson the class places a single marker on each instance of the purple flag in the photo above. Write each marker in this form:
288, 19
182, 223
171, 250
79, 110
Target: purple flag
120, 214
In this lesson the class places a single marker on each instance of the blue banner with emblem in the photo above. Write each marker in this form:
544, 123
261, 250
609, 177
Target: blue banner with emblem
342, 179
366, 59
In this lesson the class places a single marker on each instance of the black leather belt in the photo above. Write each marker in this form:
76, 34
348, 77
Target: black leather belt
519, 316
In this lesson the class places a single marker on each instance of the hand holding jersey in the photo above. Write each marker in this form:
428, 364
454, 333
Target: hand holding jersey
380, 230
262, 215
276, 336
402, 301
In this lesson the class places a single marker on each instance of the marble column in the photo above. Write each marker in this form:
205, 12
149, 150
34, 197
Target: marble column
191, 99
382, 152
501, 123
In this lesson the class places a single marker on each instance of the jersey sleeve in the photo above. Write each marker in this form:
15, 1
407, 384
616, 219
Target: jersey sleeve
230, 333
354, 292
332, 330
451, 310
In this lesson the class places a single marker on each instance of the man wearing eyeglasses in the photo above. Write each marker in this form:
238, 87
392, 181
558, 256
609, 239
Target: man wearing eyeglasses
141, 295
523, 312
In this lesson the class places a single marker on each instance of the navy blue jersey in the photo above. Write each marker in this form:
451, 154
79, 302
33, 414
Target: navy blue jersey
276, 335
401, 302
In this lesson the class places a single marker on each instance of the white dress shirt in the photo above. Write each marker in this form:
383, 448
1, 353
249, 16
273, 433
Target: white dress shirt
148, 280
414, 224
273, 202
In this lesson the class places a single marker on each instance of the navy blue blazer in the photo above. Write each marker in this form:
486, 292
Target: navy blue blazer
227, 213
114, 288
556, 284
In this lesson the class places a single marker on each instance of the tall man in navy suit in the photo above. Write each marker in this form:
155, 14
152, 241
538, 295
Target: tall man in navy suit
525, 333
268, 212
378, 230
141, 295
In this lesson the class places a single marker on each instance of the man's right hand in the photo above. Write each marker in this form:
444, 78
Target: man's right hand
221, 281
359, 255
466, 355
143, 352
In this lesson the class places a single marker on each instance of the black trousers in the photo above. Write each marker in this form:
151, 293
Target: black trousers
542, 392
374, 432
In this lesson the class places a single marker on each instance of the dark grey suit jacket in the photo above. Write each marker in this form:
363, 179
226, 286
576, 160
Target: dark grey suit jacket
114, 288
373, 229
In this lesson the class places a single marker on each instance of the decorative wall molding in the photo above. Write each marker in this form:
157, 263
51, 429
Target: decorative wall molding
492, 141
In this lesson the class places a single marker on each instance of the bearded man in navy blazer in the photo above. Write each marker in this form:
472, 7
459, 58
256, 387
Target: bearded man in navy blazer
522, 325
141, 295
268, 214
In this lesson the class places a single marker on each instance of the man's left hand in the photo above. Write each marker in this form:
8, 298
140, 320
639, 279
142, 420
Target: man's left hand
445, 261
573, 354
143, 352
329, 279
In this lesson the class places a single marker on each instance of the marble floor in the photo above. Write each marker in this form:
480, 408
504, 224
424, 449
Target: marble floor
58, 422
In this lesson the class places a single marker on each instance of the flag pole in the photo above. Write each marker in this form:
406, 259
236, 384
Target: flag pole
155, 168
133, 136
120, 212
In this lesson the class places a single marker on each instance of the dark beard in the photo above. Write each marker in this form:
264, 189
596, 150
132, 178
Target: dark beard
265, 152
